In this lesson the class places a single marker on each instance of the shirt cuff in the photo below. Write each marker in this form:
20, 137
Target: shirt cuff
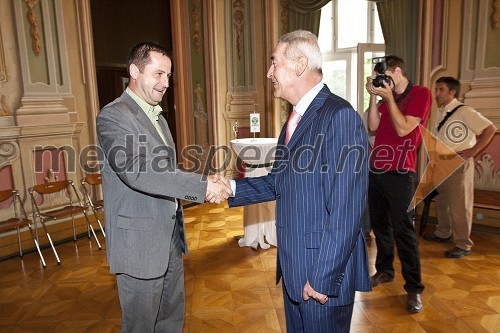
233, 186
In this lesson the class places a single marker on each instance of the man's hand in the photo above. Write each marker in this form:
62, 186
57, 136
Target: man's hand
218, 189
467, 153
384, 92
309, 292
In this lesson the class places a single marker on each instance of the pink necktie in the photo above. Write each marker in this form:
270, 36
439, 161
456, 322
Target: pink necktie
293, 121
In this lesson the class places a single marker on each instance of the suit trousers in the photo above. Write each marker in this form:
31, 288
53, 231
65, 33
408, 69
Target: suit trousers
389, 196
455, 204
314, 317
155, 305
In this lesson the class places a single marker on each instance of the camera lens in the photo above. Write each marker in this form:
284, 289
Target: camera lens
378, 81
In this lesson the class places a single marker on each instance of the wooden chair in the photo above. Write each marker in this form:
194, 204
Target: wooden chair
18, 220
58, 200
93, 182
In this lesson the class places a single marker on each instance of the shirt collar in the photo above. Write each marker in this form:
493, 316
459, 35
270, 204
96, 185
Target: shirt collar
307, 99
450, 106
152, 111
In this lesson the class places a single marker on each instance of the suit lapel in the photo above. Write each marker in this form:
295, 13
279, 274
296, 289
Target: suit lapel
144, 120
308, 117
166, 131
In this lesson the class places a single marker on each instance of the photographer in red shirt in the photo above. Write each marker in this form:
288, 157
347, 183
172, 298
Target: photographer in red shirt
395, 121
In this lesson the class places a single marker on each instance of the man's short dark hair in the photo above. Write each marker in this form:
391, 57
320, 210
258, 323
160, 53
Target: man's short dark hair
392, 62
139, 54
451, 83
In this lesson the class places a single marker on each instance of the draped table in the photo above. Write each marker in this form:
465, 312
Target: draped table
259, 219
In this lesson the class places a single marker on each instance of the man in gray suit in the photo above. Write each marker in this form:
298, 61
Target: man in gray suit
142, 185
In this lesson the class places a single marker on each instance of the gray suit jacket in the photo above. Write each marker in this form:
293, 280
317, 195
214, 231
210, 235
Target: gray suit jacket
141, 184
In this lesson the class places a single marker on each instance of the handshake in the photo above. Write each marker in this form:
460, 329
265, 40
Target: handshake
218, 189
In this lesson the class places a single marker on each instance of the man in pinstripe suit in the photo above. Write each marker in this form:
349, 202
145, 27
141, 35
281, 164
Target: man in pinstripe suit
319, 181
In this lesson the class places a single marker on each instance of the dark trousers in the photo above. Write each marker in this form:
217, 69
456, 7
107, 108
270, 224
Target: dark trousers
313, 317
389, 197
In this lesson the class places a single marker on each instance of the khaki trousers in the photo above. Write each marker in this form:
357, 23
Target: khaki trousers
454, 206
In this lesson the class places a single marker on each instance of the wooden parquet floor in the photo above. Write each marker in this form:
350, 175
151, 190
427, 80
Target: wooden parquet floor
231, 289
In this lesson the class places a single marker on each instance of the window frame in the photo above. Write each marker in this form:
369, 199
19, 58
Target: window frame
354, 63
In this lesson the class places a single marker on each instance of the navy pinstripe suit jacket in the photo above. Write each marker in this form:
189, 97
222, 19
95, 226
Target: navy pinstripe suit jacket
319, 182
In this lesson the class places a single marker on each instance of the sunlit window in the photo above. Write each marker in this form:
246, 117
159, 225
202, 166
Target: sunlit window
349, 27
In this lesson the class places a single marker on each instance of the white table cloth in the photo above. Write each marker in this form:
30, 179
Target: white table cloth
259, 219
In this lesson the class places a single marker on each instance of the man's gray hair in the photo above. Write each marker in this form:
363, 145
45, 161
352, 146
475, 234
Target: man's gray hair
303, 43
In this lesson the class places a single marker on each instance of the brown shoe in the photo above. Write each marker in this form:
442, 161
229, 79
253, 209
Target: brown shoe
456, 252
381, 277
414, 303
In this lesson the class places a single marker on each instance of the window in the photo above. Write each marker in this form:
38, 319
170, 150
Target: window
349, 36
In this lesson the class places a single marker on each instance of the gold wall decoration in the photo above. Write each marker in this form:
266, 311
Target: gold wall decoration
35, 34
199, 109
284, 16
495, 17
3, 74
197, 26
238, 21
4, 108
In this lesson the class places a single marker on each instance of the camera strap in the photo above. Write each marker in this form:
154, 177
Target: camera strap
448, 115
403, 95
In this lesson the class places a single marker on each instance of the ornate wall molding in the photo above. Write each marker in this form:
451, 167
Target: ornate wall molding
439, 36
45, 77
495, 16
284, 16
238, 22
199, 105
32, 20
3, 73
4, 108
485, 175
9, 151
197, 34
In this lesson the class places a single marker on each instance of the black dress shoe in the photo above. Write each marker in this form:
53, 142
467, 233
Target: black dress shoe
414, 303
381, 277
456, 252
434, 238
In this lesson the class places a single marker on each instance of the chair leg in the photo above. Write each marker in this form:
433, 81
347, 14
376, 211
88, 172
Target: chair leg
98, 221
42, 259
92, 229
40, 253
51, 243
19, 242
102, 228
74, 230
425, 215
54, 249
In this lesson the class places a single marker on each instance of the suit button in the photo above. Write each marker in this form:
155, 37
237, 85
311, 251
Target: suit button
278, 196
173, 217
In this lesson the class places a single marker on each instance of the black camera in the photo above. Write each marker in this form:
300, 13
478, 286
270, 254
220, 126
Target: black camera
380, 68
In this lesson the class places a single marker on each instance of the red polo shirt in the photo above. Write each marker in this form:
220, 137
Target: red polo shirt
392, 152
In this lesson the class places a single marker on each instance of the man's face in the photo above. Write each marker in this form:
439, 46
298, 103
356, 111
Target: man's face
443, 94
282, 73
152, 83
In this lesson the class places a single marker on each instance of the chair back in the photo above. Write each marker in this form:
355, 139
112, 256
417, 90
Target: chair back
54, 194
93, 179
17, 210
5, 194
92, 189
